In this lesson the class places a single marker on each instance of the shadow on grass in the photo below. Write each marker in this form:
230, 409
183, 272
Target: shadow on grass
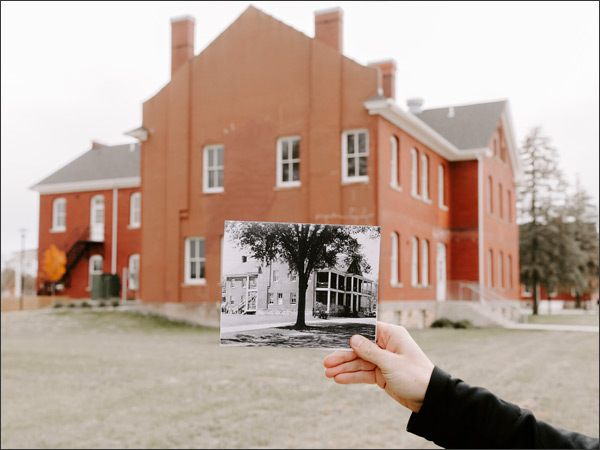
323, 335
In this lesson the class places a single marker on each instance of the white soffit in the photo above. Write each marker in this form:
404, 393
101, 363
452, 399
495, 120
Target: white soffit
92, 185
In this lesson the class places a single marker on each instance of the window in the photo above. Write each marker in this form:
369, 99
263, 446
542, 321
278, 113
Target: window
490, 268
425, 177
355, 151
292, 298
441, 191
288, 161
280, 298
95, 267
195, 261
414, 269
394, 164
244, 283
135, 210
213, 169
425, 262
414, 173
490, 196
394, 263
500, 211
510, 278
275, 275
59, 214
293, 276
271, 301
509, 205
500, 274
134, 272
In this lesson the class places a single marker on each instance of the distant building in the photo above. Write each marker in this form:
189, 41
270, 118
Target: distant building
23, 263
252, 288
91, 210
268, 124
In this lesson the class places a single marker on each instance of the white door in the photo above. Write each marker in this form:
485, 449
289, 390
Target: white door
441, 271
97, 219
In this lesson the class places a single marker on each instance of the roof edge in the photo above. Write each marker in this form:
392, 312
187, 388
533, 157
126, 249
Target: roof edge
91, 185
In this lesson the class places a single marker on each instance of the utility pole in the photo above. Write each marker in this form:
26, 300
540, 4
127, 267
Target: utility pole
22, 278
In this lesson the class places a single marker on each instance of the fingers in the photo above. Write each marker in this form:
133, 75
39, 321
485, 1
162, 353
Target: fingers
368, 350
356, 365
338, 357
356, 377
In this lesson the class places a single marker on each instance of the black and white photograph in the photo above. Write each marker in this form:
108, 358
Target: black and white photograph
298, 285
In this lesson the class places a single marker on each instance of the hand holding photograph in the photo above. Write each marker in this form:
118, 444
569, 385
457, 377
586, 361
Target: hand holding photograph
298, 285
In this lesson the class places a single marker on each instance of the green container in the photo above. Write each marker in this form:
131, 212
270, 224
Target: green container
96, 288
111, 285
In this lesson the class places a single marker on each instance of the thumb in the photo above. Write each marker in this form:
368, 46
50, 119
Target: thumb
368, 350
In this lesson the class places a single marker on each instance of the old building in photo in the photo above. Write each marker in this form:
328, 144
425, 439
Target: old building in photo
252, 288
91, 210
268, 124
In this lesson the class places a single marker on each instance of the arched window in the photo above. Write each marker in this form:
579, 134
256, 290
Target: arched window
59, 214
441, 190
414, 173
414, 267
134, 272
425, 177
135, 210
395, 266
425, 262
395, 169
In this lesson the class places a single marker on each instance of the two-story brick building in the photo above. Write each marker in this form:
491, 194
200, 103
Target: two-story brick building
91, 210
269, 124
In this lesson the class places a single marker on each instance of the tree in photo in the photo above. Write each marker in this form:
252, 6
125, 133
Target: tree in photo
54, 265
304, 247
541, 195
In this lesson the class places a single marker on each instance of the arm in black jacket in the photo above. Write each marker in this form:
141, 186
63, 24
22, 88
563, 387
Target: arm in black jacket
456, 415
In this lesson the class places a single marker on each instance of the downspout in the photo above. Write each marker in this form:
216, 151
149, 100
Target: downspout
113, 263
480, 220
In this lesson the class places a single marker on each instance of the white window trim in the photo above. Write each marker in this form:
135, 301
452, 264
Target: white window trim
490, 196
414, 266
130, 281
279, 182
490, 282
295, 297
132, 222
500, 270
395, 262
425, 178
205, 168
58, 228
359, 178
414, 173
500, 202
424, 262
188, 279
394, 173
442, 187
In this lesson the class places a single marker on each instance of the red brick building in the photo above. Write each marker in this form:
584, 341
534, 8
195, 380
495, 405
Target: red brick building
269, 124
90, 209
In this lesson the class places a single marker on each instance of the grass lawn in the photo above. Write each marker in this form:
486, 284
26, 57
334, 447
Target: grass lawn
116, 379
565, 319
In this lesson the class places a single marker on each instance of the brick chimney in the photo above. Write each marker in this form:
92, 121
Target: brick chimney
388, 77
329, 27
182, 41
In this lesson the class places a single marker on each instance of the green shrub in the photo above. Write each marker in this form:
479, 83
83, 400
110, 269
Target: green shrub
442, 323
72, 305
85, 305
58, 305
337, 310
463, 324
115, 303
321, 311
102, 304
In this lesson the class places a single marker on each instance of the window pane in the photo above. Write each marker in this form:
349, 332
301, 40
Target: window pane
210, 158
211, 179
296, 175
193, 270
284, 150
361, 142
296, 149
351, 163
220, 178
363, 165
286, 172
192, 248
201, 242
202, 269
350, 144
220, 157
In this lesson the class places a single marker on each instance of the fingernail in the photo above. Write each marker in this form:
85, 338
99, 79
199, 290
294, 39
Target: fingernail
356, 341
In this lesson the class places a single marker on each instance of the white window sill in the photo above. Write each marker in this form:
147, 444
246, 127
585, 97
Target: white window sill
421, 286
356, 180
396, 188
397, 285
283, 187
191, 283
443, 207
134, 227
214, 191
57, 230
427, 200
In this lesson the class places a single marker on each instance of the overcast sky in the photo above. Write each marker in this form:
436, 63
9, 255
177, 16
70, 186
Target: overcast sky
75, 72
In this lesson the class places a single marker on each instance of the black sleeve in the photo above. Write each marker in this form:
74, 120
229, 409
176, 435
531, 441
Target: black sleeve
456, 415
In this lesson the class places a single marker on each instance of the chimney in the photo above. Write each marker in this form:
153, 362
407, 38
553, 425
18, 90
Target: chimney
182, 41
329, 27
415, 105
388, 77
96, 144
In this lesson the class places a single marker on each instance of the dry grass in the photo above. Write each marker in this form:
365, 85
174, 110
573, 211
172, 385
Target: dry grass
114, 379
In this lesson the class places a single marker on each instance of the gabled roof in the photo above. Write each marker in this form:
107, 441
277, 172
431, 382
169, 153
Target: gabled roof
102, 167
467, 126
